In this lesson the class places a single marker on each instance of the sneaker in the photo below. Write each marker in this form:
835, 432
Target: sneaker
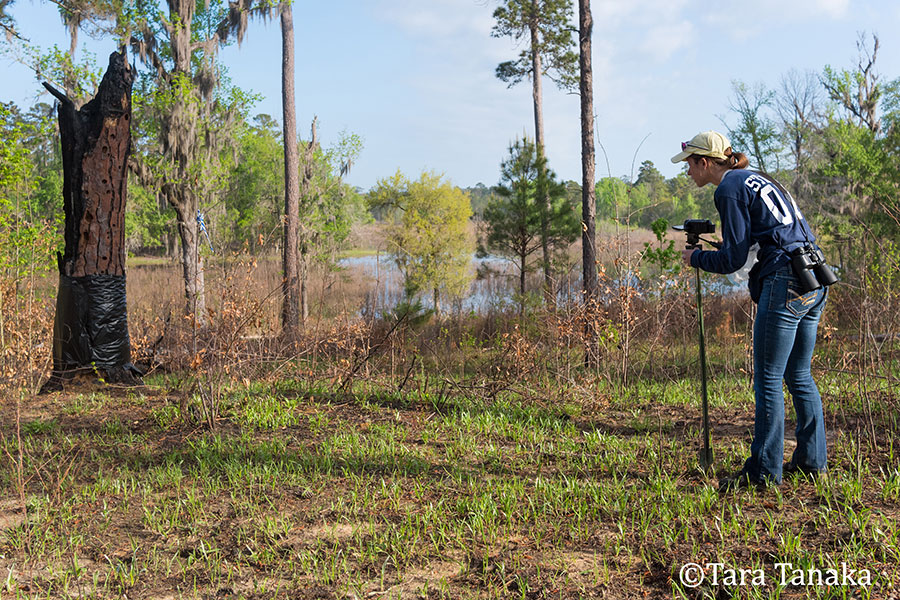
793, 470
739, 481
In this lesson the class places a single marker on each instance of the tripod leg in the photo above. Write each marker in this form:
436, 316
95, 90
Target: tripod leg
706, 459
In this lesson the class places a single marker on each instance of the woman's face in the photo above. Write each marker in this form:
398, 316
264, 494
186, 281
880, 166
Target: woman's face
698, 170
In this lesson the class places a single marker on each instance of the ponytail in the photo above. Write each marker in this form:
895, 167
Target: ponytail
733, 160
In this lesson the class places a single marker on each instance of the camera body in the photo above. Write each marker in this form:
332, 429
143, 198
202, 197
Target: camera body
808, 264
697, 226
694, 228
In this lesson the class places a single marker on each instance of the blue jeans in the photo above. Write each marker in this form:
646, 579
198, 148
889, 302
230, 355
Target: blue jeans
784, 336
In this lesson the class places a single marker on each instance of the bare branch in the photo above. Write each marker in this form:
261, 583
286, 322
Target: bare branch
11, 32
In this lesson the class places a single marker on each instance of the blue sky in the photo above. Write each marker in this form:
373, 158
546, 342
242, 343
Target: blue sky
415, 78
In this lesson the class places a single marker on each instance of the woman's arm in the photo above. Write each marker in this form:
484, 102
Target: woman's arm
735, 216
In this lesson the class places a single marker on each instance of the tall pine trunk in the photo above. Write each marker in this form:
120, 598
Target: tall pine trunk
588, 193
90, 331
522, 265
537, 99
290, 315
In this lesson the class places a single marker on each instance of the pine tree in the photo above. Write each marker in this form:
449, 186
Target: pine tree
547, 26
516, 220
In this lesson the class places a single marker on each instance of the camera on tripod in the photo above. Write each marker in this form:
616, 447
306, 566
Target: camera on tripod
694, 228
808, 264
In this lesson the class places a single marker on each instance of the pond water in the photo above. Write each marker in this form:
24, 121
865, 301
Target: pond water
491, 287
494, 285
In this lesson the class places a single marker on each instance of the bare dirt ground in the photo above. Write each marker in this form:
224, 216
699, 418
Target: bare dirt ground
305, 492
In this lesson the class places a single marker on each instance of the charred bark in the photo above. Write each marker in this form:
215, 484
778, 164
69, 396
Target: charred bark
90, 331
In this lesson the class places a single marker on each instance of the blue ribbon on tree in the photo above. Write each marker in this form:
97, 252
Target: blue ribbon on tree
205, 231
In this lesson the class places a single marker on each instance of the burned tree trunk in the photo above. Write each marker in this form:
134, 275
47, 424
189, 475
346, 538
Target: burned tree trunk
90, 332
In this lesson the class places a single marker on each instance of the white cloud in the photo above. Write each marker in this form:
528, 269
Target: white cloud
834, 8
438, 19
652, 30
665, 39
615, 12
755, 17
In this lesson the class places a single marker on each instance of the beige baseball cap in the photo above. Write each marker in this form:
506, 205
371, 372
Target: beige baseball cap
708, 143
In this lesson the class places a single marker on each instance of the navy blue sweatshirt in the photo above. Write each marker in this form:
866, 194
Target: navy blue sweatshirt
753, 210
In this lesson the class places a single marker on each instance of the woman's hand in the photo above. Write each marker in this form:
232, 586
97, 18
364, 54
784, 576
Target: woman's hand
686, 255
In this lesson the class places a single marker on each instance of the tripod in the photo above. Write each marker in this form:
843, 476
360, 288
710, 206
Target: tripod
693, 228
706, 457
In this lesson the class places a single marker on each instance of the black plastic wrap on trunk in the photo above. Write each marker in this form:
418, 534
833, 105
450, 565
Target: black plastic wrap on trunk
91, 328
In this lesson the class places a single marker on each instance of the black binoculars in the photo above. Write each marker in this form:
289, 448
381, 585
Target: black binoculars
808, 264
